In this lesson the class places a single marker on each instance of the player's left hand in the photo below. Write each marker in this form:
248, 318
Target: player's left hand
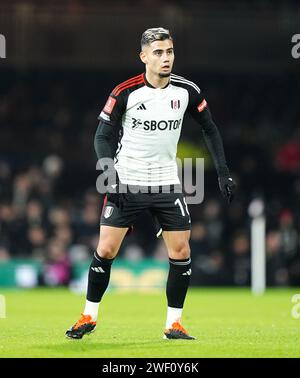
227, 187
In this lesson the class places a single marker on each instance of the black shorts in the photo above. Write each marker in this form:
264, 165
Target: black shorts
169, 209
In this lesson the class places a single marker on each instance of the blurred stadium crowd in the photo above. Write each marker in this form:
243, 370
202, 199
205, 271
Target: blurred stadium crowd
49, 206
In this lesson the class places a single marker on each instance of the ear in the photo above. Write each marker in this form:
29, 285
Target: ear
143, 57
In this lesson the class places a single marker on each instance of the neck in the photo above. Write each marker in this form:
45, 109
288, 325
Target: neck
156, 81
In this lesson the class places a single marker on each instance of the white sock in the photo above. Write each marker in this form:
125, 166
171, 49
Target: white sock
173, 315
91, 308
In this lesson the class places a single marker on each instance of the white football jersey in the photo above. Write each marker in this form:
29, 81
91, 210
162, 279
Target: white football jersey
151, 120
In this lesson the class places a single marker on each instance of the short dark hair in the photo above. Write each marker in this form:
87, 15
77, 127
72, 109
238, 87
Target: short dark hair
154, 34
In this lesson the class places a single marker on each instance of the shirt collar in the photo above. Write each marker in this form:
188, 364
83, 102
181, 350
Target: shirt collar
151, 86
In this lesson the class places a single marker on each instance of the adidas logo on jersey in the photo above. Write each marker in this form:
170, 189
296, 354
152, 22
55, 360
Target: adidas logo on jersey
141, 107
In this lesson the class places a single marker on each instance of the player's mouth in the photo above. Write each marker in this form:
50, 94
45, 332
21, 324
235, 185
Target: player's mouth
166, 68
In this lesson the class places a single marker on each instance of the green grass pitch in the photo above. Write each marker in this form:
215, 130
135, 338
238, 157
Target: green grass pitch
226, 322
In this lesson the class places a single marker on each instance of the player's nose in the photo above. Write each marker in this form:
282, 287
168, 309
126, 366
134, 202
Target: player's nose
166, 58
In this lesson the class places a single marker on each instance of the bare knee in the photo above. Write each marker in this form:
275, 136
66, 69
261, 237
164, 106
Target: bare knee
110, 241
181, 251
107, 251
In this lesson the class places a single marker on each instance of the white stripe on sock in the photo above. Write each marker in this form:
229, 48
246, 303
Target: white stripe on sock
181, 262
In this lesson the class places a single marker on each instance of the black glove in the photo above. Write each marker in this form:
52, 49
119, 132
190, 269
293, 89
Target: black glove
227, 187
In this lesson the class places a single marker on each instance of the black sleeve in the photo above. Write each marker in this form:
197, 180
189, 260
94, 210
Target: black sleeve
199, 110
109, 128
106, 140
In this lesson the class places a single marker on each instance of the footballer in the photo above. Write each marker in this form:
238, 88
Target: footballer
139, 129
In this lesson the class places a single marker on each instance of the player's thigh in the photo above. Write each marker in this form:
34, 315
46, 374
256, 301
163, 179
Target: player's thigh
110, 240
177, 243
170, 211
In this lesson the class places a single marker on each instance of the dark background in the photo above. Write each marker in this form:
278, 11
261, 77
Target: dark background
62, 60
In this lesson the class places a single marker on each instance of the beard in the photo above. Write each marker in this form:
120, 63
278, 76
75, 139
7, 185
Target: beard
167, 74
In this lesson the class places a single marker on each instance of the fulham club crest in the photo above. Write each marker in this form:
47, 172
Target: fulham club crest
108, 211
175, 104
